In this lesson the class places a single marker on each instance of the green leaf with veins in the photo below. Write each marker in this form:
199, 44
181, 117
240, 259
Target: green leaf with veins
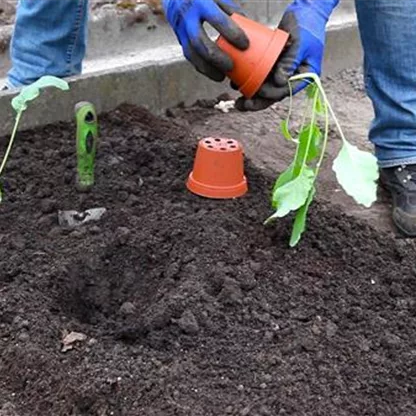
313, 135
357, 173
293, 194
311, 90
284, 178
299, 224
29, 93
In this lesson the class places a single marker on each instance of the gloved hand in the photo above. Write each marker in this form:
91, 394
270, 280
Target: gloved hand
305, 21
186, 18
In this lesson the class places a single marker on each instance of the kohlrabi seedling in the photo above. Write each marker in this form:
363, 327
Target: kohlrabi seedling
355, 170
20, 103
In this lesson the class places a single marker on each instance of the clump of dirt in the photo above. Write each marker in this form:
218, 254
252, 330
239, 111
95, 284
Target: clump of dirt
191, 306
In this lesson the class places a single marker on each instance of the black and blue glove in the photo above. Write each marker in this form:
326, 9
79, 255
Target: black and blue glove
305, 21
187, 17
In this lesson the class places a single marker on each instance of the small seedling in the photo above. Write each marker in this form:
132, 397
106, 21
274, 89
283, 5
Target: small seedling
355, 170
20, 104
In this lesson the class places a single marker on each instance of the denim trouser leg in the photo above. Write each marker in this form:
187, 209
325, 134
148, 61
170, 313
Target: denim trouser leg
388, 33
49, 39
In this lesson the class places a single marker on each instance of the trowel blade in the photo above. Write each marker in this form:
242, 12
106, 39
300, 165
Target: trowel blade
75, 218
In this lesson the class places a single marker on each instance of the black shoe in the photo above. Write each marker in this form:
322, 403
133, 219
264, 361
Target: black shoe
4, 88
400, 181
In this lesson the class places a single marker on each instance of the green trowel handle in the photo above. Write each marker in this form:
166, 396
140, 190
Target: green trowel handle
87, 138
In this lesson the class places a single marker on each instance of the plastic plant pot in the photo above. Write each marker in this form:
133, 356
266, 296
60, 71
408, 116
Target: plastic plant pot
252, 66
218, 171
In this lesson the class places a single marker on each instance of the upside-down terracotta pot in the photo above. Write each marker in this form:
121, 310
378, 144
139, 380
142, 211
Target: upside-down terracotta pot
218, 170
252, 66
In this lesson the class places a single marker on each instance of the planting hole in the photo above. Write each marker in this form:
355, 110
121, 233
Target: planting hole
217, 140
230, 142
210, 147
233, 147
223, 148
207, 141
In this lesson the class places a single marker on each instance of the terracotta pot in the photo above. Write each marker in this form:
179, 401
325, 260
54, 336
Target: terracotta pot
218, 169
252, 66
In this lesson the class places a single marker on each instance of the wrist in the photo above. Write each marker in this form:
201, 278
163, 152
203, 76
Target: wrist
323, 7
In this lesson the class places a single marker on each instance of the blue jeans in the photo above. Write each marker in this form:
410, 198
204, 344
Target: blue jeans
388, 30
49, 38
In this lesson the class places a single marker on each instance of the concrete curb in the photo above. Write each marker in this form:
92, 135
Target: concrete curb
5, 36
157, 84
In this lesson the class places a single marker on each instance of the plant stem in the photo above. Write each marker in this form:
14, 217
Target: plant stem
289, 114
325, 98
309, 103
325, 142
9, 147
298, 169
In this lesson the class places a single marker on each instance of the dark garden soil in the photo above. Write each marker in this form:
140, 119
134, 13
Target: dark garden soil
191, 306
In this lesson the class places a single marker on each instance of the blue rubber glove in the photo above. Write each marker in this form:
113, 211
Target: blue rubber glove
305, 21
187, 17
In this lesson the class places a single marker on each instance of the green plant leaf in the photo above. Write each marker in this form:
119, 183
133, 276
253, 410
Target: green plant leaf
29, 93
293, 194
284, 128
357, 173
294, 189
319, 107
285, 177
302, 149
314, 135
311, 90
299, 225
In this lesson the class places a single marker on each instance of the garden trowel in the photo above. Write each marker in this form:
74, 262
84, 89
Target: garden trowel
87, 140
